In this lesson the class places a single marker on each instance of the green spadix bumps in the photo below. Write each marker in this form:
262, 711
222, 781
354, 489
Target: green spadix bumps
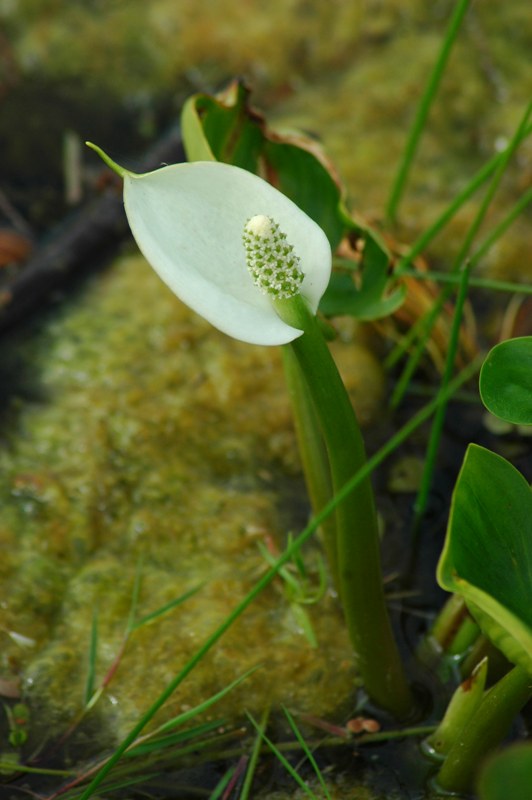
271, 259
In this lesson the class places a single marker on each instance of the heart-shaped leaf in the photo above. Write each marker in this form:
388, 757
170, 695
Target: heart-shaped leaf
506, 381
487, 556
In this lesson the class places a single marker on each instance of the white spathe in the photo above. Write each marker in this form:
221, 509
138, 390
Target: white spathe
188, 221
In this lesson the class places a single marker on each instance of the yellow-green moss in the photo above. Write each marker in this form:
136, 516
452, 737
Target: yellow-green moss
158, 439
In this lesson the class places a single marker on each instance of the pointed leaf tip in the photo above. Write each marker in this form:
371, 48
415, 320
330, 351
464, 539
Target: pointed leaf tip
109, 161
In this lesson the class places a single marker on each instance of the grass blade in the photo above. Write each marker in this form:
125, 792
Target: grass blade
425, 325
372, 463
474, 283
93, 654
165, 608
424, 108
502, 226
439, 224
307, 751
254, 757
420, 503
280, 757
222, 784
152, 745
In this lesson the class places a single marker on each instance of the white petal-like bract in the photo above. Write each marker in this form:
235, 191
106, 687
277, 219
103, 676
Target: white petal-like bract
188, 221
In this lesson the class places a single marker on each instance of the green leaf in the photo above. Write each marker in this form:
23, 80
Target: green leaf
226, 128
371, 299
507, 775
487, 556
196, 144
300, 175
222, 129
506, 381
460, 711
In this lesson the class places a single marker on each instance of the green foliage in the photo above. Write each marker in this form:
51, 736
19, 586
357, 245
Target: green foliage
364, 293
506, 381
490, 724
507, 775
286, 763
227, 129
487, 557
461, 709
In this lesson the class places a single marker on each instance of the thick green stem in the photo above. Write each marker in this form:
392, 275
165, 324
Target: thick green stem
460, 710
448, 622
313, 453
357, 545
485, 731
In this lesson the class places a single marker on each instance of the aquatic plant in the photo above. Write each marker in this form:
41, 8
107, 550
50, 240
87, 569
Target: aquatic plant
285, 277
245, 257
255, 262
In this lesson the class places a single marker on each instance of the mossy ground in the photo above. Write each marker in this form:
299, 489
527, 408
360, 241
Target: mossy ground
153, 439
135, 431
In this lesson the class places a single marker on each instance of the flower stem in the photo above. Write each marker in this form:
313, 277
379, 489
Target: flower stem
357, 540
313, 453
488, 727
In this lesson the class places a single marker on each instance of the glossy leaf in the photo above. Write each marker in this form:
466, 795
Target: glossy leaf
487, 556
506, 381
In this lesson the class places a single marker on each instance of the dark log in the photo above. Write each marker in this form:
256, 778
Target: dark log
82, 242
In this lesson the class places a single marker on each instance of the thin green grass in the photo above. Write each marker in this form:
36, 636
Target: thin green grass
479, 178
284, 761
423, 109
438, 420
474, 283
423, 241
424, 327
389, 447
254, 757
93, 693
307, 751
154, 744
92, 657
191, 713
502, 227
222, 784
154, 748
